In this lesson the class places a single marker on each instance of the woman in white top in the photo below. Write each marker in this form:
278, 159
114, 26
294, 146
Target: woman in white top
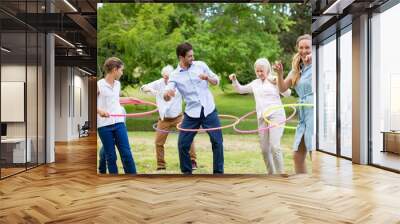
266, 94
112, 130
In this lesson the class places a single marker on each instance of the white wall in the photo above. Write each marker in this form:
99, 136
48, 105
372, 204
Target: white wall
80, 97
71, 94
12, 73
50, 99
61, 103
34, 124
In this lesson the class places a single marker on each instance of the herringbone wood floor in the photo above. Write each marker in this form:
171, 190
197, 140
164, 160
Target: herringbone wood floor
70, 191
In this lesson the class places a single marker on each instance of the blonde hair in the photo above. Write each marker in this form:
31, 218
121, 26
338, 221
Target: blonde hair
296, 61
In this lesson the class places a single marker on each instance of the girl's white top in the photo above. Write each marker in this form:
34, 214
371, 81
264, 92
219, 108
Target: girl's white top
108, 100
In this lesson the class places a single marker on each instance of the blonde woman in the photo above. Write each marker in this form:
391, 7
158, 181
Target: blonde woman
301, 79
266, 94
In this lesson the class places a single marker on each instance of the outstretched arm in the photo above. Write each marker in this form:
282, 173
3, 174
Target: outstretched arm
150, 88
239, 88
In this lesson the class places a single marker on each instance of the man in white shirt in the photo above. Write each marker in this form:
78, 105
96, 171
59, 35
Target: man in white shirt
170, 115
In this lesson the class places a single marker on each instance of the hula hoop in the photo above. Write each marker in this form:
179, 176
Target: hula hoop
169, 131
163, 130
273, 108
136, 102
124, 101
260, 129
210, 129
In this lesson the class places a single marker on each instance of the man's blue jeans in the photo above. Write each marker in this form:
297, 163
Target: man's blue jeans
186, 138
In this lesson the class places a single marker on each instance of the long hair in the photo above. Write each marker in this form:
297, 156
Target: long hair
296, 61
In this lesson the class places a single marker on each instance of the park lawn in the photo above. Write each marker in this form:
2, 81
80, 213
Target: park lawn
241, 152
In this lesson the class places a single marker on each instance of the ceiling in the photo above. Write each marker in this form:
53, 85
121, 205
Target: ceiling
330, 15
73, 21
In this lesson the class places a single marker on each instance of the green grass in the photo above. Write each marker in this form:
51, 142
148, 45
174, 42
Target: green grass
239, 158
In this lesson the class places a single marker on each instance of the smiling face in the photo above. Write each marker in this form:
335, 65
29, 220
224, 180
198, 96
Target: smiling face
262, 68
304, 48
261, 72
188, 59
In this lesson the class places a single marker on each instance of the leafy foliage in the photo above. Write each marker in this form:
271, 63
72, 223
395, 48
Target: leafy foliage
228, 37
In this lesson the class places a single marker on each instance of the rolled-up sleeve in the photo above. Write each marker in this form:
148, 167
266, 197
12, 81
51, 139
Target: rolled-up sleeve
210, 73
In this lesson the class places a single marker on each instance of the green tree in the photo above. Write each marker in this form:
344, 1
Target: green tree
228, 37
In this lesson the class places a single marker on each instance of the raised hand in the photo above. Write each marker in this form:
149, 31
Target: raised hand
169, 94
308, 59
278, 68
203, 77
232, 77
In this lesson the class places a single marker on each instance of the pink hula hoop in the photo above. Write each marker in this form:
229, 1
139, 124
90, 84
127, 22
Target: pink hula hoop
135, 101
260, 129
210, 129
